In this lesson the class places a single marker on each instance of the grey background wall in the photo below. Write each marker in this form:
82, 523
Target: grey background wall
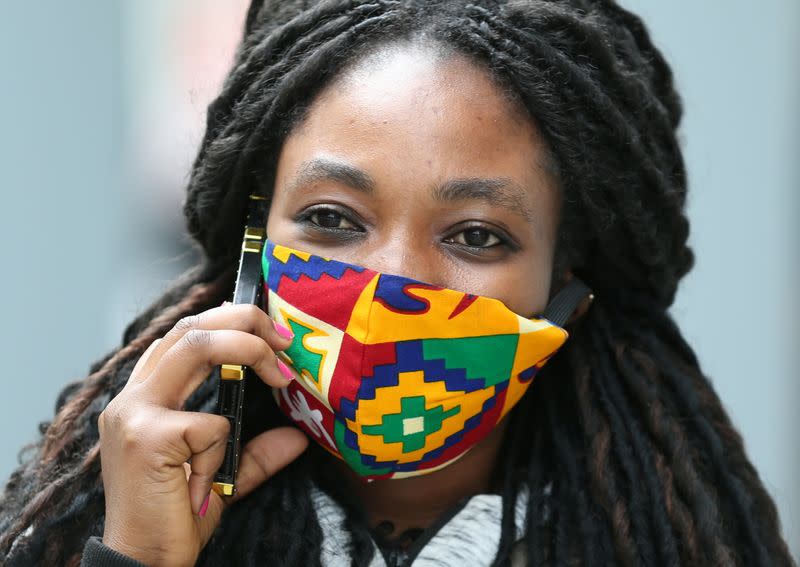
737, 69
91, 180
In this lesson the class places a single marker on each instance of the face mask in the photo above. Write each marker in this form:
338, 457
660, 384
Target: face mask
398, 377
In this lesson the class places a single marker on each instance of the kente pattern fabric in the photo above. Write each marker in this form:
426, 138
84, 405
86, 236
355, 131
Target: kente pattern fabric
396, 376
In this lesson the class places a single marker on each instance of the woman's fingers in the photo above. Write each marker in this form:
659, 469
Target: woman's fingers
160, 436
261, 458
247, 318
158, 463
140, 364
206, 437
184, 366
265, 455
144, 450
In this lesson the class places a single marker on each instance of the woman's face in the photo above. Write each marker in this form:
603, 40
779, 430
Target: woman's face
415, 165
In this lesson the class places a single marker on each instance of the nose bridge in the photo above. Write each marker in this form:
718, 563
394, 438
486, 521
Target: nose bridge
406, 254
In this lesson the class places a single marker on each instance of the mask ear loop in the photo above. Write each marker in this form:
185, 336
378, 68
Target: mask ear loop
566, 301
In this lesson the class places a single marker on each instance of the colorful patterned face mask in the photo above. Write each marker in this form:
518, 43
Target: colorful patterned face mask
397, 377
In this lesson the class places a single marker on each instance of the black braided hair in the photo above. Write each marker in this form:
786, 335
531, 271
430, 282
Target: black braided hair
628, 456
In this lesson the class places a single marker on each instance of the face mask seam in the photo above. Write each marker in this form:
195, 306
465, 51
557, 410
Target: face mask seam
364, 348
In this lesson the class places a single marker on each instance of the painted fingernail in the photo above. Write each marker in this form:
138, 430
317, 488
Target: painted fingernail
283, 331
285, 370
204, 507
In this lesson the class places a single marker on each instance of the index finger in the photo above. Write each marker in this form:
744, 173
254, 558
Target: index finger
248, 318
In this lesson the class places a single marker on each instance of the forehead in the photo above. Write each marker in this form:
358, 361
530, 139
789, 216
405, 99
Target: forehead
419, 94
410, 115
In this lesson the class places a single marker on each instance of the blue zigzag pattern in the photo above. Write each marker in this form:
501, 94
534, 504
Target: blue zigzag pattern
313, 268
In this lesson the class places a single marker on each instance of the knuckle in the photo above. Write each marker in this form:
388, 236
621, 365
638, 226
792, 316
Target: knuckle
222, 430
186, 324
264, 461
109, 418
197, 338
253, 314
263, 358
135, 430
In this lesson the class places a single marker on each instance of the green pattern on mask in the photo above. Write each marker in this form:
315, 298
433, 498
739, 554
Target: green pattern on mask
302, 358
489, 359
352, 457
412, 425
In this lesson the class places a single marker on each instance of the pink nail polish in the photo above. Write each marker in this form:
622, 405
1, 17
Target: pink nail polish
204, 507
285, 370
283, 331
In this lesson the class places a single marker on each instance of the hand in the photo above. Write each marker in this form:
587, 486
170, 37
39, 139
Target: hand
156, 507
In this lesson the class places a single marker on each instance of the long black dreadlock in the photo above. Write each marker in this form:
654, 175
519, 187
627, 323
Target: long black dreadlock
627, 453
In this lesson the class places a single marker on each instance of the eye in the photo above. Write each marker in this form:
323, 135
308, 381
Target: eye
476, 237
329, 219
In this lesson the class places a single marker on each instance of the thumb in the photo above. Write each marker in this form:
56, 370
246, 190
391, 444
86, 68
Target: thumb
261, 458
265, 455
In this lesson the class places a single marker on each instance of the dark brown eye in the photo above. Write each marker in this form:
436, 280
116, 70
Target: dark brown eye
477, 238
329, 218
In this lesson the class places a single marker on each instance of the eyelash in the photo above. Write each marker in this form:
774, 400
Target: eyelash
307, 215
306, 218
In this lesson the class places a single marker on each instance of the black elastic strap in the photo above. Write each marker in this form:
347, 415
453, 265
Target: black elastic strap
566, 301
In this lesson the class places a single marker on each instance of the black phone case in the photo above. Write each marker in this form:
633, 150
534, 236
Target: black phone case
235, 379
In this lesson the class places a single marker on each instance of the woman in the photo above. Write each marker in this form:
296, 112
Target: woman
499, 149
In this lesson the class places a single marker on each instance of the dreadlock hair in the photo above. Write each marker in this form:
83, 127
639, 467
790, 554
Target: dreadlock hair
627, 453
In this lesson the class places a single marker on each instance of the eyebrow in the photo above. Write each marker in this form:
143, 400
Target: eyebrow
327, 169
499, 192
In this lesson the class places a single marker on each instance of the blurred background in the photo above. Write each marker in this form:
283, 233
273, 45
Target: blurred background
103, 106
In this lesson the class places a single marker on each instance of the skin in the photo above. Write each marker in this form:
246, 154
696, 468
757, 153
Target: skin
416, 130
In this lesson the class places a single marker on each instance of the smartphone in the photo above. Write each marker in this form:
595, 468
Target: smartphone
235, 379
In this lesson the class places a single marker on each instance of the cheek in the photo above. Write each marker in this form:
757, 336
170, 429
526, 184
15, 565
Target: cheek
524, 286
526, 296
